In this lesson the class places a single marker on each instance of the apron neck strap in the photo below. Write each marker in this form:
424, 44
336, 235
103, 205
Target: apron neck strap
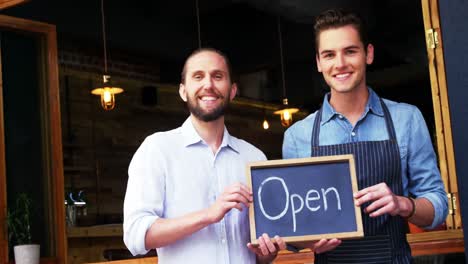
318, 119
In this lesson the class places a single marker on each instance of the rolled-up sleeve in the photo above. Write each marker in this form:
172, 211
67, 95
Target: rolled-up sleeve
423, 174
144, 198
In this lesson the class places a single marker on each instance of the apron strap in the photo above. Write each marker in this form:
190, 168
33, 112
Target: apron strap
316, 130
388, 121
318, 119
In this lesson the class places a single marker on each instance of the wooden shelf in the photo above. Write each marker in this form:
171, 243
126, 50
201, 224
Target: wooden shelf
78, 169
150, 260
77, 145
112, 230
42, 261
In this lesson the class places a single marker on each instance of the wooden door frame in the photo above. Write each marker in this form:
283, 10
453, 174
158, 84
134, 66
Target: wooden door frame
440, 102
52, 136
445, 151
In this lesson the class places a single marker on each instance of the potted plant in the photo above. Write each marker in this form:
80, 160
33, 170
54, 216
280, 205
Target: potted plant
19, 231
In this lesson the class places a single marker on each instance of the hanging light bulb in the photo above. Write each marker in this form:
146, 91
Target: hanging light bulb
265, 124
107, 96
107, 92
285, 112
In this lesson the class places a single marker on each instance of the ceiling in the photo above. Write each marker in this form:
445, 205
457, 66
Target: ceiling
246, 30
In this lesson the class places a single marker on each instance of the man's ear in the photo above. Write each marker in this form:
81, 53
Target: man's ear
317, 60
233, 91
183, 92
370, 54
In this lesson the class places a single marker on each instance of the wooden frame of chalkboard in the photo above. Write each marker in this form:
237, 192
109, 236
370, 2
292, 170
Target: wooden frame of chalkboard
304, 199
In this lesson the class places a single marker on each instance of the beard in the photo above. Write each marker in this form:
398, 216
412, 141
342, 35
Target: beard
207, 115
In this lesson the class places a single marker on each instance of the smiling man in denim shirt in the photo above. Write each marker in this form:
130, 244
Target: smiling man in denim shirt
396, 165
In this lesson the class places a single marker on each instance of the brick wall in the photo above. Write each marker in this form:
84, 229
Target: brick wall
98, 145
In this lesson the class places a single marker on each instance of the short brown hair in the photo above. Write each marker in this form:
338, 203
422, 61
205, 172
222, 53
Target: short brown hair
336, 18
200, 50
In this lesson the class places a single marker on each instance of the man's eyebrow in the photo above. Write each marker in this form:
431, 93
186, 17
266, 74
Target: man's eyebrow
325, 51
345, 48
197, 72
218, 71
352, 47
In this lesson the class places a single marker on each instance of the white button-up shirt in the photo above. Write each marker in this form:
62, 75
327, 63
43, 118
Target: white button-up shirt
174, 173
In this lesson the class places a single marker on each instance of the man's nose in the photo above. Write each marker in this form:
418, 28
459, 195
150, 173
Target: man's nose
340, 61
207, 82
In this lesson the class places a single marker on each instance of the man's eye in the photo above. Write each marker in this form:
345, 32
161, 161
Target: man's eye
197, 77
350, 51
328, 55
218, 76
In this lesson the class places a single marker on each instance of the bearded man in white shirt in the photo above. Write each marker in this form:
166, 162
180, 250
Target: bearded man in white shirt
186, 194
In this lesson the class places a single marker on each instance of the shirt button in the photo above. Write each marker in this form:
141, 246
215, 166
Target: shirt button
340, 116
224, 240
353, 134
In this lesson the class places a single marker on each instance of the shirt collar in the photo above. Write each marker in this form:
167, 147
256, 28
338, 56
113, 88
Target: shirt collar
373, 105
190, 136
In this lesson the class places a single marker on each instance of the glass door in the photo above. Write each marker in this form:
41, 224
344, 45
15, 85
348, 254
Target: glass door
30, 136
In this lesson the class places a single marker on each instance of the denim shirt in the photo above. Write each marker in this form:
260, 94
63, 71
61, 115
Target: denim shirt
419, 171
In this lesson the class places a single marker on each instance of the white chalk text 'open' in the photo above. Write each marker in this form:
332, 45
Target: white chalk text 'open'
312, 200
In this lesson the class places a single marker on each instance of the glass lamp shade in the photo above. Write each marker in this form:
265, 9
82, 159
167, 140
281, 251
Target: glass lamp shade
286, 113
107, 94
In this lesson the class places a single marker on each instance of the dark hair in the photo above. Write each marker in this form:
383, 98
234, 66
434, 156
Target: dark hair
200, 50
336, 18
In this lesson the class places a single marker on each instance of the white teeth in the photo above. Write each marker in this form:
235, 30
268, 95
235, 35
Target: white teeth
208, 98
343, 75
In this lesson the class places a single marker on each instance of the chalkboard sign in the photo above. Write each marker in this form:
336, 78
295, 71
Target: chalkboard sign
304, 199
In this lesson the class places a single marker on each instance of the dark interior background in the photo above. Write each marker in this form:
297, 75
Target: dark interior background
160, 34
154, 38
163, 33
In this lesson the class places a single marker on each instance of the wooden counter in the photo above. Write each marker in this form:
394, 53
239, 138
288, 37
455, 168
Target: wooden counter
87, 244
111, 230
152, 260
102, 237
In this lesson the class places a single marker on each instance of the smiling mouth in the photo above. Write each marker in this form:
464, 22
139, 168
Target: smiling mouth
342, 76
208, 98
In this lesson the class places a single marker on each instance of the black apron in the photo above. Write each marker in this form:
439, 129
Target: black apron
376, 161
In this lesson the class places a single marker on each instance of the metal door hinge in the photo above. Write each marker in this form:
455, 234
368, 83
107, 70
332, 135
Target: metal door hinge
432, 38
452, 203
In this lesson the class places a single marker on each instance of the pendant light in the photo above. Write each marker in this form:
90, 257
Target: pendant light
107, 92
285, 112
265, 123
